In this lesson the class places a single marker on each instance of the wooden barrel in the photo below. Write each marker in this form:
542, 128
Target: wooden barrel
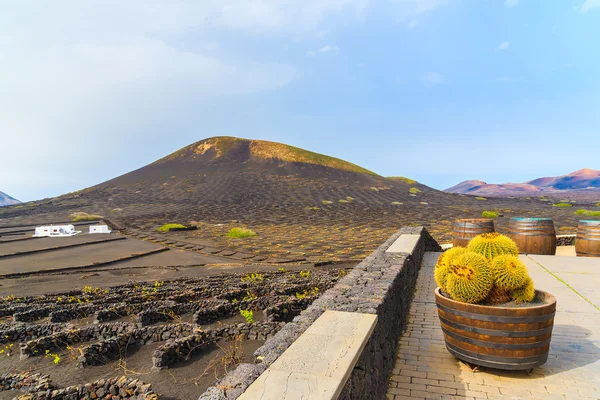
533, 235
587, 242
467, 229
499, 337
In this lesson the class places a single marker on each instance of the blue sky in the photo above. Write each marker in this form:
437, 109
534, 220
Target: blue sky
437, 90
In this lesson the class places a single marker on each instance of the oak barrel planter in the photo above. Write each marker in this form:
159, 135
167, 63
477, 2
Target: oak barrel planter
501, 337
467, 229
587, 241
533, 235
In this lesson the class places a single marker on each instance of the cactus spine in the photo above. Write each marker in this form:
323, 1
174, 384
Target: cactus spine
469, 278
524, 294
509, 272
491, 245
443, 265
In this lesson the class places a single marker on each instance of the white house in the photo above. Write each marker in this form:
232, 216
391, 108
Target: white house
55, 231
99, 229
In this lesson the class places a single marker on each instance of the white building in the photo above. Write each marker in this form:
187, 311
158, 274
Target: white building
99, 229
55, 231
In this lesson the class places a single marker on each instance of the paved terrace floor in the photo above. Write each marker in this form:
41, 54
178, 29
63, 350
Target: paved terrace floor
425, 370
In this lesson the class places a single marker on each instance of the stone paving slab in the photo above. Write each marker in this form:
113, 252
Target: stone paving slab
425, 370
404, 244
318, 364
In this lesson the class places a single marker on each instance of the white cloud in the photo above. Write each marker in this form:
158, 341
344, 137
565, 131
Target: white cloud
511, 3
115, 76
503, 46
415, 7
412, 24
433, 79
589, 5
325, 49
329, 49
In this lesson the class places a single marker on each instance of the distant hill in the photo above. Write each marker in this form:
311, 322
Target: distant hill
581, 184
253, 176
229, 170
6, 200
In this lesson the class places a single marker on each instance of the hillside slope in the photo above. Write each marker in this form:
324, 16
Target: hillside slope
6, 200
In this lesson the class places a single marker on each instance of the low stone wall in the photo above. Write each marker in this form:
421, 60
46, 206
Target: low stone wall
41, 387
181, 349
72, 336
115, 346
382, 284
565, 240
287, 308
23, 333
32, 315
26, 382
69, 314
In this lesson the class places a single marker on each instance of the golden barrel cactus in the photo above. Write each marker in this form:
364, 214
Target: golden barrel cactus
469, 278
492, 245
524, 294
443, 265
509, 272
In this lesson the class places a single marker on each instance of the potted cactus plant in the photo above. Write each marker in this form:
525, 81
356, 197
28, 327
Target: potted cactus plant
490, 313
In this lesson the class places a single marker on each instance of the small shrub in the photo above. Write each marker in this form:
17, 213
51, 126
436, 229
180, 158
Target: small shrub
598, 204
396, 203
562, 205
240, 233
414, 190
305, 274
308, 293
313, 208
248, 314
249, 296
348, 198
589, 213
55, 357
489, 214
480, 198
253, 278
168, 227
83, 216
342, 201
326, 202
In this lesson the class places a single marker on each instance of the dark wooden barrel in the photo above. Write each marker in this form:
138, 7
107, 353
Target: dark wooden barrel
467, 229
587, 241
498, 337
533, 235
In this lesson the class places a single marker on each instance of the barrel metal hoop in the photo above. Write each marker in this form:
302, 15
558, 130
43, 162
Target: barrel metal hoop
497, 362
494, 345
498, 318
531, 234
497, 332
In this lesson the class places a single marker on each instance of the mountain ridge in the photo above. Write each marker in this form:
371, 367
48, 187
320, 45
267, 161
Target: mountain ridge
6, 200
584, 182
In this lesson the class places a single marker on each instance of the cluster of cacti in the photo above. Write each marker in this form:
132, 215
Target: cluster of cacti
487, 271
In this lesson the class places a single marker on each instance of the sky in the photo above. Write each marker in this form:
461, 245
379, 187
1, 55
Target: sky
437, 90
